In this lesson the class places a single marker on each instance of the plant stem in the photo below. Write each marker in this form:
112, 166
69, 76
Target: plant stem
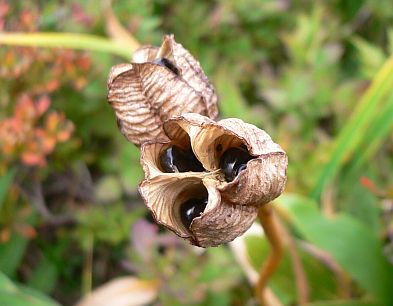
88, 266
68, 40
302, 286
271, 229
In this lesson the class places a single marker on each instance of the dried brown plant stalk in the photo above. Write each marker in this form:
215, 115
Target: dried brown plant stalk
271, 228
302, 285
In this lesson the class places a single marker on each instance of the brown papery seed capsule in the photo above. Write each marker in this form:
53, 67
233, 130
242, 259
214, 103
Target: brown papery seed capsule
216, 205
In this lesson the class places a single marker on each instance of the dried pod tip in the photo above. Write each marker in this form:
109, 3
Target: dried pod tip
175, 159
168, 64
233, 161
160, 83
192, 209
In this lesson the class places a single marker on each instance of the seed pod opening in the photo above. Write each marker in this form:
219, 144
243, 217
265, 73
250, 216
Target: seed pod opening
189, 205
233, 161
162, 61
176, 159
164, 194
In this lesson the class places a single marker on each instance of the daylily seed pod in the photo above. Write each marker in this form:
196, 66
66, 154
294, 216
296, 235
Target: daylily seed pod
204, 180
243, 169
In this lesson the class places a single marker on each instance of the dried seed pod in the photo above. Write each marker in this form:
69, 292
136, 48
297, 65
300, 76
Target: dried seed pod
257, 175
159, 83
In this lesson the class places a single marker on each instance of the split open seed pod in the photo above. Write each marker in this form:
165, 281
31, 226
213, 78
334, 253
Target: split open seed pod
241, 169
159, 83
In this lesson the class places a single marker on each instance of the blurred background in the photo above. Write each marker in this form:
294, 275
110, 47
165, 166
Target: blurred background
316, 75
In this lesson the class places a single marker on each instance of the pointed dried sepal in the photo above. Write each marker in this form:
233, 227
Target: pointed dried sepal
159, 84
222, 222
263, 180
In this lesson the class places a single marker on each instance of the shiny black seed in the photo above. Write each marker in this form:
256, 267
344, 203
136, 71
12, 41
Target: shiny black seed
166, 63
233, 161
192, 209
175, 159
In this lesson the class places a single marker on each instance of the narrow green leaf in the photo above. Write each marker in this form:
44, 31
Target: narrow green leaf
351, 135
371, 56
344, 303
12, 253
44, 276
17, 295
6, 284
67, 40
5, 182
373, 138
354, 247
215, 298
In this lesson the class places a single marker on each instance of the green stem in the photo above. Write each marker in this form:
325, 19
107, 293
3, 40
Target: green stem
88, 266
68, 40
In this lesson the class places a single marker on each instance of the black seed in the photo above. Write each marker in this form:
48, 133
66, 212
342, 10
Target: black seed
192, 209
166, 63
233, 161
175, 159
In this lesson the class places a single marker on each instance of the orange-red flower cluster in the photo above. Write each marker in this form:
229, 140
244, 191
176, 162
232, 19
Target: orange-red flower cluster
32, 133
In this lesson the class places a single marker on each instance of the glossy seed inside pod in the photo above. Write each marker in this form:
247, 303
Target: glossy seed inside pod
233, 161
192, 209
166, 63
175, 159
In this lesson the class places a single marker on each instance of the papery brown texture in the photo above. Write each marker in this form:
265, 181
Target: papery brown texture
232, 206
147, 91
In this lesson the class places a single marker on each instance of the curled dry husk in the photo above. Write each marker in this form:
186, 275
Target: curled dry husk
232, 206
145, 93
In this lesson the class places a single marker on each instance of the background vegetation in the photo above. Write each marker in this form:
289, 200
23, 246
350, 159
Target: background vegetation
316, 75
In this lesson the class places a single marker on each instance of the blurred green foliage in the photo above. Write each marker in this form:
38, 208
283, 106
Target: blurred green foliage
316, 75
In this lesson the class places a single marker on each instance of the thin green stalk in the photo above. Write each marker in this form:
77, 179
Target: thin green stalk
87, 273
68, 40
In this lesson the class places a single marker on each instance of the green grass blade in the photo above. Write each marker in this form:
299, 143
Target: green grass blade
68, 40
353, 302
5, 183
374, 137
12, 254
351, 136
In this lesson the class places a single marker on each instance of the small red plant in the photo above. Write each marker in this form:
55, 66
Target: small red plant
32, 133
